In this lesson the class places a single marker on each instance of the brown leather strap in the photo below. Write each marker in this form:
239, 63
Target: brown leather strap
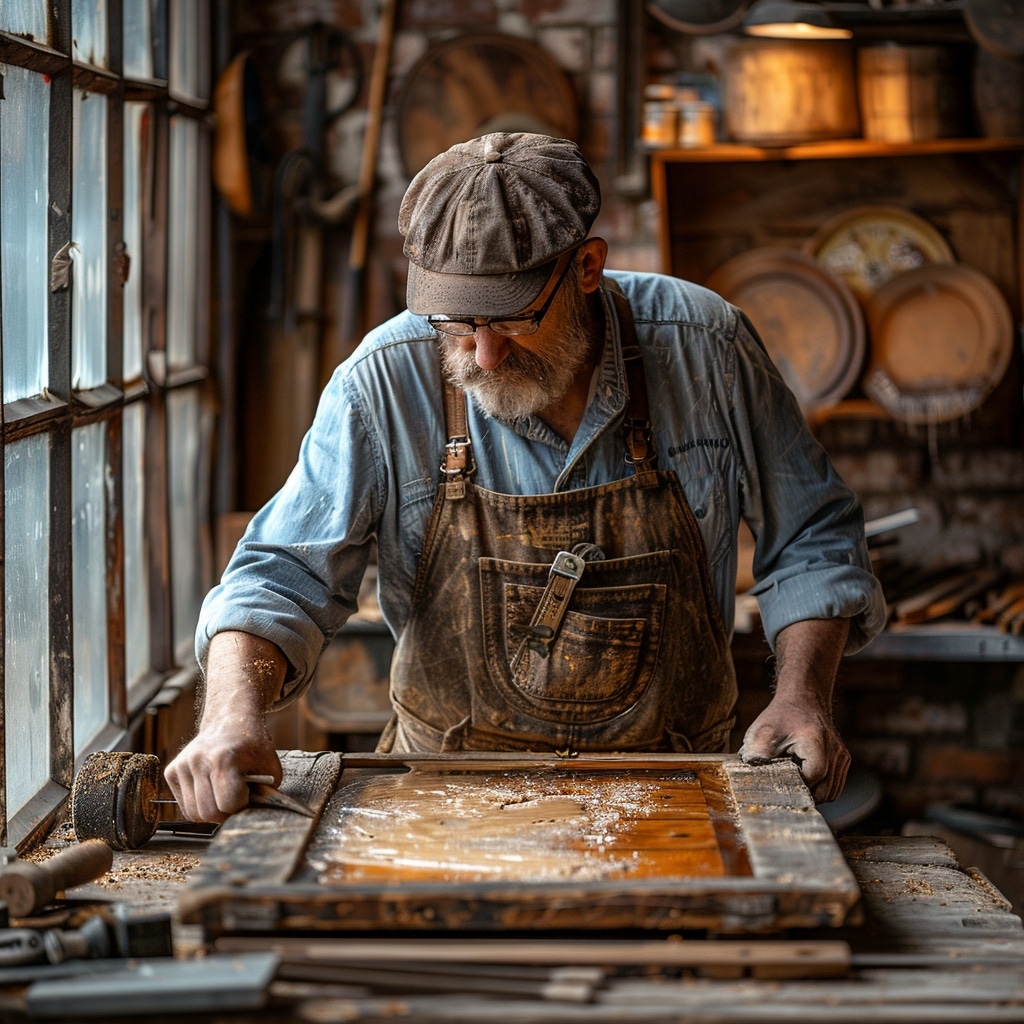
458, 463
636, 427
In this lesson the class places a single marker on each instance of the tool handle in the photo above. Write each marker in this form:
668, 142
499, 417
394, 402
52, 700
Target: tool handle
26, 886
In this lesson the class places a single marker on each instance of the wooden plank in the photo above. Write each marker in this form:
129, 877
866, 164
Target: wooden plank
818, 958
720, 1009
601, 870
262, 844
787, 840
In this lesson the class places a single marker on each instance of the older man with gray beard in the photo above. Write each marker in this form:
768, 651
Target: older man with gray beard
553, 460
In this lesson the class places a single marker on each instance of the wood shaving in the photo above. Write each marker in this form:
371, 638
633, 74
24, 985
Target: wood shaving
916, 888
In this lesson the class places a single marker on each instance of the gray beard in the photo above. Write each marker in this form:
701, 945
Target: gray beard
525, 382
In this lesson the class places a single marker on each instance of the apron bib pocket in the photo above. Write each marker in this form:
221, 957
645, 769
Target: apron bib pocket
603, 658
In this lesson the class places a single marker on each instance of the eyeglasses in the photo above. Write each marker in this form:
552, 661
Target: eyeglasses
526, 323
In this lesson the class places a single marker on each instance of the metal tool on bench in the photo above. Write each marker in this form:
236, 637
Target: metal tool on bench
114, 798
116, 932
27, 886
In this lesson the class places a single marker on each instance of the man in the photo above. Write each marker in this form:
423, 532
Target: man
566, 581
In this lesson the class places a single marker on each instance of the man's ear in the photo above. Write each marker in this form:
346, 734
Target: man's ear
592, 255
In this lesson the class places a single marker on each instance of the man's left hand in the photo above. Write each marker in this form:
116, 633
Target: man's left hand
798, 721
807, 735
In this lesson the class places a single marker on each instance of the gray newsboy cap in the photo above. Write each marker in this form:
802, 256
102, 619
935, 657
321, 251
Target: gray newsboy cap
484, 220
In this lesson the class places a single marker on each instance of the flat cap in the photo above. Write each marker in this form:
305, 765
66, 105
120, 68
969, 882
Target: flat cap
484, 221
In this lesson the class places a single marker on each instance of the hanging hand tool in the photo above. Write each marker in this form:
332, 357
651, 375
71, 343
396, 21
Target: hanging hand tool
360, 243
114, 798
285, 366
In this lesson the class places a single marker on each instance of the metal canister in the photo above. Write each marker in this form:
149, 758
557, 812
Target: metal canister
660, 128
696, 125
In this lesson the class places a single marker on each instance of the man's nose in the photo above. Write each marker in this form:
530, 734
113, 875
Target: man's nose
491, 349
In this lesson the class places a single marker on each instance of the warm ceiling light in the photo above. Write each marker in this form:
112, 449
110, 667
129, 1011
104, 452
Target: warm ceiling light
778, 19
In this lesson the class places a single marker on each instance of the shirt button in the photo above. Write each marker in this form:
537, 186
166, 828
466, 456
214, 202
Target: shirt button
700, 513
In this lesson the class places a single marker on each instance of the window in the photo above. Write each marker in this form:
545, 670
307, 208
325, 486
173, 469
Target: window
104, 227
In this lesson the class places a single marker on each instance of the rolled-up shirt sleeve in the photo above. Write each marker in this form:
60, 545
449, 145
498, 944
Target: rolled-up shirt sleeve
810, 556
294, 577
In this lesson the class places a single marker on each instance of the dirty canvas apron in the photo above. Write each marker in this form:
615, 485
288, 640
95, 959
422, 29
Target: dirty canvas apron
574, 621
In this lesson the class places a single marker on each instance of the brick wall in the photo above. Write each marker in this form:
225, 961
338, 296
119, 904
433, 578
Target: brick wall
930, 732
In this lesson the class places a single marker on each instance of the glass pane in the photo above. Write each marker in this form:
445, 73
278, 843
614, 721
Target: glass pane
184, 432
136, 132
183, 232
138, 39
89, 230
187, 78
27, 617
89, 580
89, 32
24, 142
25, 18
136, 567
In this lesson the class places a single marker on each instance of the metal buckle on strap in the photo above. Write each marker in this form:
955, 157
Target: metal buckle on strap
640, 450
458, 466
639, 443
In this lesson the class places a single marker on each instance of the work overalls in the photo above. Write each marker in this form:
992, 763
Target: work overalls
575, 621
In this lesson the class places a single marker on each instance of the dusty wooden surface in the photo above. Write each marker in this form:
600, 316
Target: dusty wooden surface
513, 842
932, 941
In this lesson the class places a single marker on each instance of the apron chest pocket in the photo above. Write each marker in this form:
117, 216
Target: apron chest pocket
603, 658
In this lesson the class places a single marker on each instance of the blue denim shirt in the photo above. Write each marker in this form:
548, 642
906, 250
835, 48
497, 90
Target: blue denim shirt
723, 421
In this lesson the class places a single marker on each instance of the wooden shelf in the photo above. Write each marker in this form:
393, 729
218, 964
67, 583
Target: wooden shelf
717, 202
951, 640
837, 149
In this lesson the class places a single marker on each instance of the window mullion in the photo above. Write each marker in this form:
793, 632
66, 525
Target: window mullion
156, 442
62, 678
119, 268
62, 669
116, 675
60, 254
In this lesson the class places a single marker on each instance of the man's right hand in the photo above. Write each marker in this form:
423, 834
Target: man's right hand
207, 777
244, 674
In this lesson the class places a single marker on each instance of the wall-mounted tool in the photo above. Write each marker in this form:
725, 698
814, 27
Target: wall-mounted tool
115, 798
27, 886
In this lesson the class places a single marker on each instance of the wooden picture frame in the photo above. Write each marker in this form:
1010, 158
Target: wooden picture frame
774, 863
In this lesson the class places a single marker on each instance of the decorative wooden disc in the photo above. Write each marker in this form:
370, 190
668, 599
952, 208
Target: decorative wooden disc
941, 340
809, 321
998, 25
869, 245
479, 83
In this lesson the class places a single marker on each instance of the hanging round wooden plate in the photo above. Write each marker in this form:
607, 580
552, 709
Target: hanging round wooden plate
869, 245
941, 340
699, 17
477, 83
998, 25
809, 321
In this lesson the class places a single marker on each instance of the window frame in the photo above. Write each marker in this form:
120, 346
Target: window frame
60, 410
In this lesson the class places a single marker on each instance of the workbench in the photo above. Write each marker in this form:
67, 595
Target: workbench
930, 940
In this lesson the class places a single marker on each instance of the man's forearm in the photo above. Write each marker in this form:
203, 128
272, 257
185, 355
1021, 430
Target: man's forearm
244, 675
798, 721
807, 659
